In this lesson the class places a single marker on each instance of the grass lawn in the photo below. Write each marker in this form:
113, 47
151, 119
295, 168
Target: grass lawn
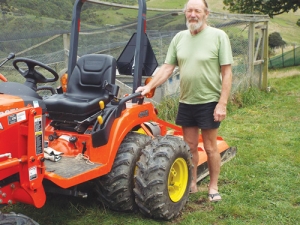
259, 186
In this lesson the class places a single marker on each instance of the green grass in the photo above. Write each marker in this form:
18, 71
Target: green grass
166, 4
259, 186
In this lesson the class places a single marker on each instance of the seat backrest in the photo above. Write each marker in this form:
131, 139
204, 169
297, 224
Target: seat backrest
89, 74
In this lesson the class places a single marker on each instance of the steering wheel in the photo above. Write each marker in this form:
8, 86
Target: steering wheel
33, 76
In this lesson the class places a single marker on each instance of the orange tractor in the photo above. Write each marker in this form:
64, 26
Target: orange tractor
87, 134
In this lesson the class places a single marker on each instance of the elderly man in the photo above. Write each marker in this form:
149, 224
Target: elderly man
204, 57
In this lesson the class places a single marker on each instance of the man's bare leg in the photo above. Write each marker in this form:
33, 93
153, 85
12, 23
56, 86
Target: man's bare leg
191, 137
213, 159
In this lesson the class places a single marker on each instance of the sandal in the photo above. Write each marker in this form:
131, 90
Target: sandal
216, 197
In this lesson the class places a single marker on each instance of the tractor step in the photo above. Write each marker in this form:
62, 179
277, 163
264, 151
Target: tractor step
227, 155
68, 167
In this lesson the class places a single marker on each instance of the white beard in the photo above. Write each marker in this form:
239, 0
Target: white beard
194, 26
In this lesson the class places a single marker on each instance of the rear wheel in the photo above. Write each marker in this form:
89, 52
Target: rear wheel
115, 189
163, 177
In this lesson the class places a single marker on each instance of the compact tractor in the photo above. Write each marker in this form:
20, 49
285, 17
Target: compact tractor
84, 133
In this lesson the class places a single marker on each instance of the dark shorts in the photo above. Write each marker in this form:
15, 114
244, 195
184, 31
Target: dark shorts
200, 115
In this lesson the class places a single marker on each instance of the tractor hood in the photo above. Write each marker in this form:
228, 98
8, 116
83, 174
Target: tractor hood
15, 96
10, 103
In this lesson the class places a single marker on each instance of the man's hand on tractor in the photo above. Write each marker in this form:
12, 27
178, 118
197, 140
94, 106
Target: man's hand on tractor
143, 89
3, 78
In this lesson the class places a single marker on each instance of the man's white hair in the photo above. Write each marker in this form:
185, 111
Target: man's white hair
204, 2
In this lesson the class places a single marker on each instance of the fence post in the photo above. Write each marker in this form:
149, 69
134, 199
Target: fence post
265, 57
294, 54
251, 38
282, 56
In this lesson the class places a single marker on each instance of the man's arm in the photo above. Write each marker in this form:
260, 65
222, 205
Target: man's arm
226, 84
160, 77
220, 110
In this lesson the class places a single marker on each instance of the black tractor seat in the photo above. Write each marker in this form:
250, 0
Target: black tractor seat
85, 89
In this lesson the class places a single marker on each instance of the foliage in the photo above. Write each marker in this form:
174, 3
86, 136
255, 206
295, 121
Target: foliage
267, 7
275, 40
167, 108
246, 98
53, 9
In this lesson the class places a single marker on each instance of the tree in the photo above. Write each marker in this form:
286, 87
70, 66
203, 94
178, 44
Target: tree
4, 10
266, 7
275, 40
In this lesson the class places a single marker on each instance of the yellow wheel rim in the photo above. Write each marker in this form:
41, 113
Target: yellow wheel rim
141, 131
178, 179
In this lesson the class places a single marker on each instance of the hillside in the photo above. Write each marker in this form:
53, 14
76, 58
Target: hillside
285, 24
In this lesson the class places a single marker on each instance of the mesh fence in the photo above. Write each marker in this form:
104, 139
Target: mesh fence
286, 59
42, 39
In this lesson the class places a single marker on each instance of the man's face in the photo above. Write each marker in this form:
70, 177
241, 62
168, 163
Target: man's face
195, 14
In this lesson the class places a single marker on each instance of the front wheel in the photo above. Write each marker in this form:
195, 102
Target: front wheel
13, 218
163, 177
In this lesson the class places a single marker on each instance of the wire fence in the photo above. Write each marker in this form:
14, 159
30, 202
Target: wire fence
42, 39
286, 58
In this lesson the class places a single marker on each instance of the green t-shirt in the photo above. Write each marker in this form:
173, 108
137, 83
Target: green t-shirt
199, 59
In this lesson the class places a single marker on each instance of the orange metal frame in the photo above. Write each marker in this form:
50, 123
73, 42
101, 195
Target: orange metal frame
23, 124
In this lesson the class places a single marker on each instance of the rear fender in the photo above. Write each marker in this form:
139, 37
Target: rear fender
131, 117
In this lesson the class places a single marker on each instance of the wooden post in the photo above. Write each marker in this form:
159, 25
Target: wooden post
294, 48
251, 37
282, 55
265, 57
